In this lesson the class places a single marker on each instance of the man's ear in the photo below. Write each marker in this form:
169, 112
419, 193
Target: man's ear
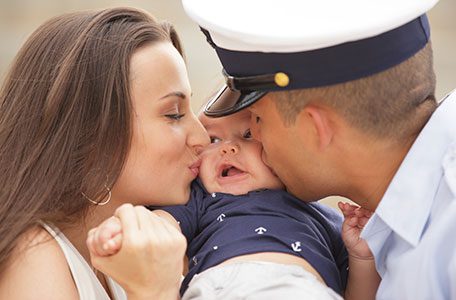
319, 118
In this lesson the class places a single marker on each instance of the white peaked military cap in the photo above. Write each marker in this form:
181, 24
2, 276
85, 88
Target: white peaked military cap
273, 45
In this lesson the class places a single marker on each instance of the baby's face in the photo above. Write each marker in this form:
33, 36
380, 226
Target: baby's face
232, 162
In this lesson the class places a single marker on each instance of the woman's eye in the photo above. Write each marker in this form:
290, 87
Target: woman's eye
175, 117
215, 139
247, 134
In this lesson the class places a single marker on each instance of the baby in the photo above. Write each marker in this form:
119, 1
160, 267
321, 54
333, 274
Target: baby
248, 237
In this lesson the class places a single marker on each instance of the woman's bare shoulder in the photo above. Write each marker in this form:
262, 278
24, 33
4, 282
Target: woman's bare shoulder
37, 269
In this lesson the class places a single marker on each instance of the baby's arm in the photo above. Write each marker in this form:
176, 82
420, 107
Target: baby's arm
363, 279
106, 238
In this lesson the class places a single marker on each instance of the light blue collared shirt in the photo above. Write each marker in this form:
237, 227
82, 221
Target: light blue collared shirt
413, 231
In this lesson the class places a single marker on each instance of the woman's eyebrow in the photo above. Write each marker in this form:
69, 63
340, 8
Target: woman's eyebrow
174, 94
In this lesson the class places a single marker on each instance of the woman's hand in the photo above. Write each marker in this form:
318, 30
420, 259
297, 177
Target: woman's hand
106, 238
149, 263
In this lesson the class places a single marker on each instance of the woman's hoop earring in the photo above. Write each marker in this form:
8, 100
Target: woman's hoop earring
104, 202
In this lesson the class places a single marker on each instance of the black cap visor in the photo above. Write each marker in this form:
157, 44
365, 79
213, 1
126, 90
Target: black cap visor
228, 101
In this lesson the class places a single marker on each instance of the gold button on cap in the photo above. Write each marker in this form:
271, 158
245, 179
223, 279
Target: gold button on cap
281, 79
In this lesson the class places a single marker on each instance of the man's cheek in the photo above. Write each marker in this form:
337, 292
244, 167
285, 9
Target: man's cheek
263, 157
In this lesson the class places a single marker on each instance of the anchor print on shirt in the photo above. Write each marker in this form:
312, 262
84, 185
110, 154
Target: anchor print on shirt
221, 217
296, 246
260, 230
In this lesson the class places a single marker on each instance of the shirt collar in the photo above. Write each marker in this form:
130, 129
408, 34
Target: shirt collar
407, 203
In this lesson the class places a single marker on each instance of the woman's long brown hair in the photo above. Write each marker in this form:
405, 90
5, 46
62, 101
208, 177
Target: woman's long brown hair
65, 114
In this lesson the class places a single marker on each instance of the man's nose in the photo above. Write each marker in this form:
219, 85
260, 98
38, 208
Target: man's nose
229, 148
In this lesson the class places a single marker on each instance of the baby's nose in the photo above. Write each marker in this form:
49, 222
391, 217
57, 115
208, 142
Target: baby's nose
229, 148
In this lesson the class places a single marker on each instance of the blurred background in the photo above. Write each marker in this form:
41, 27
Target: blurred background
18, 18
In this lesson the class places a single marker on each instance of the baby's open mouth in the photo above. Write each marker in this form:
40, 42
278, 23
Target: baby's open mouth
230, 171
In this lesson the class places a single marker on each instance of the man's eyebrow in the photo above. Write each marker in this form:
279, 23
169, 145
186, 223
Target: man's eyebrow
251, 109
174, 94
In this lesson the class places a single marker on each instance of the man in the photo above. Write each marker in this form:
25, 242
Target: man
342, 99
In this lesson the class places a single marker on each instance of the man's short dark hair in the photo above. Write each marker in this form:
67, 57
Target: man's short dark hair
394, 103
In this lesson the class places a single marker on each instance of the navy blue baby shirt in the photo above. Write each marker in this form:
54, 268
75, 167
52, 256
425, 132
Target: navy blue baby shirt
220, 226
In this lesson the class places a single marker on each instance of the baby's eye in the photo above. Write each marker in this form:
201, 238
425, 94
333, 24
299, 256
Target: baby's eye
247, 134
215, 139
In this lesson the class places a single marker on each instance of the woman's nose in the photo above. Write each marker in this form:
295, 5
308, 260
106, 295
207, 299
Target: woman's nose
198, 137
229, 148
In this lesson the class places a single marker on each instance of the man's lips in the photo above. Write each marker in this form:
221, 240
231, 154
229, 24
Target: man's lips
264, 159
195, 167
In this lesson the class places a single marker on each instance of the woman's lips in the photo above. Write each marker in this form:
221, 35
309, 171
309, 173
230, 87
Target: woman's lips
194, 168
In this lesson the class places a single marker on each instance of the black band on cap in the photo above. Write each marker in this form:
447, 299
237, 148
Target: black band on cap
331, 65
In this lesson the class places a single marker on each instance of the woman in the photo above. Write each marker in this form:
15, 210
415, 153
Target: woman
94, 113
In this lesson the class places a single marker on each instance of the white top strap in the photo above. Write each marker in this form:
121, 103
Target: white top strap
87, 283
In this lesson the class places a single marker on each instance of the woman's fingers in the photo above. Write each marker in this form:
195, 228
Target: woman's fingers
101, 240
128, 219
151, 254
109, 228
91, 243
159, 231
113, 245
